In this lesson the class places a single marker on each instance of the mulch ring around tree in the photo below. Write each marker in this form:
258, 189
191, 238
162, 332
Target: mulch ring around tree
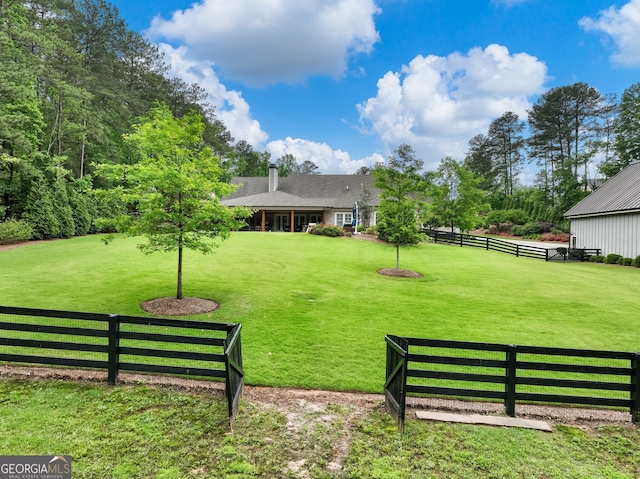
401, 273
172, 306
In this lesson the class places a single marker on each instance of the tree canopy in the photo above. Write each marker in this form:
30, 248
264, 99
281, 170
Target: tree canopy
175, 187
401, 198
455, 198
627, 143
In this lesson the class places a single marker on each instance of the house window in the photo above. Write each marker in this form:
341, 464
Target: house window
343, 219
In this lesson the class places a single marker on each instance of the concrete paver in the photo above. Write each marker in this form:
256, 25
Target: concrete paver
485, 420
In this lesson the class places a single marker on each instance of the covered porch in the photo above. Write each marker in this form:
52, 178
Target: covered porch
285, 220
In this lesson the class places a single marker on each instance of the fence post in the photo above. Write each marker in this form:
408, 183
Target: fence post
510, 386
114, 345
517, 250
487, 244
635, 391
546, 254
461, 240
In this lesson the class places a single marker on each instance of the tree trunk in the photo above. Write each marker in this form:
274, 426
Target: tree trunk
179, 292
84, 124
7, 195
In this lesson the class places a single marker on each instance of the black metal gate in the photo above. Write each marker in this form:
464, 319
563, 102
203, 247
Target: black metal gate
235, 373
394, 387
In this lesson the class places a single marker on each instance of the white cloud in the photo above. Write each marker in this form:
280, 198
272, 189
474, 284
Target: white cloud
270, 41
623, 26
231, 108
329, 161
437, 104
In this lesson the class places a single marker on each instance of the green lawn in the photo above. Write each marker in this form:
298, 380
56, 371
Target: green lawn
315, 311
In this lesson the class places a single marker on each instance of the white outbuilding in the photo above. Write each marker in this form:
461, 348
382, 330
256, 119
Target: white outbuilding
609, 218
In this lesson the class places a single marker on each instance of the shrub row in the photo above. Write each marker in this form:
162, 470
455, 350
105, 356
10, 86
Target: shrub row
613, 258
327, 230
515, 216
56, 208
562, 237
15, 231
528, 229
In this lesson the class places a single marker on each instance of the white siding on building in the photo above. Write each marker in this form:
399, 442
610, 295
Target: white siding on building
618, 234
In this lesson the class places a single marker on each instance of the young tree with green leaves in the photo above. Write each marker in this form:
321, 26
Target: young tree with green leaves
401, 198
175, 187
456, 198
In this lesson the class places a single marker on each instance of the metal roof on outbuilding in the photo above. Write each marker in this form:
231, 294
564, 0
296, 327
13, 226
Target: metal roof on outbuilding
620, 194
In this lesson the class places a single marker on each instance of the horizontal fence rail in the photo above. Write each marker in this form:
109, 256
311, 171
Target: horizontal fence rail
509, 373
561, 254
124, 343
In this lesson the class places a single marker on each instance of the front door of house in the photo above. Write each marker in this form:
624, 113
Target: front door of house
282, 223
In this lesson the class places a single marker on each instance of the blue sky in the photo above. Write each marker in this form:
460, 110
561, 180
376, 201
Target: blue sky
344, 82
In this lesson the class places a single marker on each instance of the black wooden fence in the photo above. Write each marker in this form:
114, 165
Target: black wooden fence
509, 373
124, 343
563, 254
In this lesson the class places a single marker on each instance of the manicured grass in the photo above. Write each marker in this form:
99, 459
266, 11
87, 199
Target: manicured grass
139, 431
441, 450
315, 311
143, 431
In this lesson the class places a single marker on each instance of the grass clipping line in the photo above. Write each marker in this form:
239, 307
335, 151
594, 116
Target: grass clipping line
172, 306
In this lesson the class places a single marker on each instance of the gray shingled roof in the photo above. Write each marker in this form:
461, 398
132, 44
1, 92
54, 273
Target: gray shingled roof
620, 194
302, 191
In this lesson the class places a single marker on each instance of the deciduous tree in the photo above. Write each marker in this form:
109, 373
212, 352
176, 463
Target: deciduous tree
401, 198
175, 187
456, 199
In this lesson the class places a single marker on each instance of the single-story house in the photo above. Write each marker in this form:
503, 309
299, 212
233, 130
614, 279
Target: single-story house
291, 203
609, 218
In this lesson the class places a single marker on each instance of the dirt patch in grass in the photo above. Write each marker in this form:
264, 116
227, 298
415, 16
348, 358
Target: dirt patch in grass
366, 237
325, 419
5, 247
400, 273
170, 306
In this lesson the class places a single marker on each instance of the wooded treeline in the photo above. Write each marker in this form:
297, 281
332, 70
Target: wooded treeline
73, 80
576, 138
